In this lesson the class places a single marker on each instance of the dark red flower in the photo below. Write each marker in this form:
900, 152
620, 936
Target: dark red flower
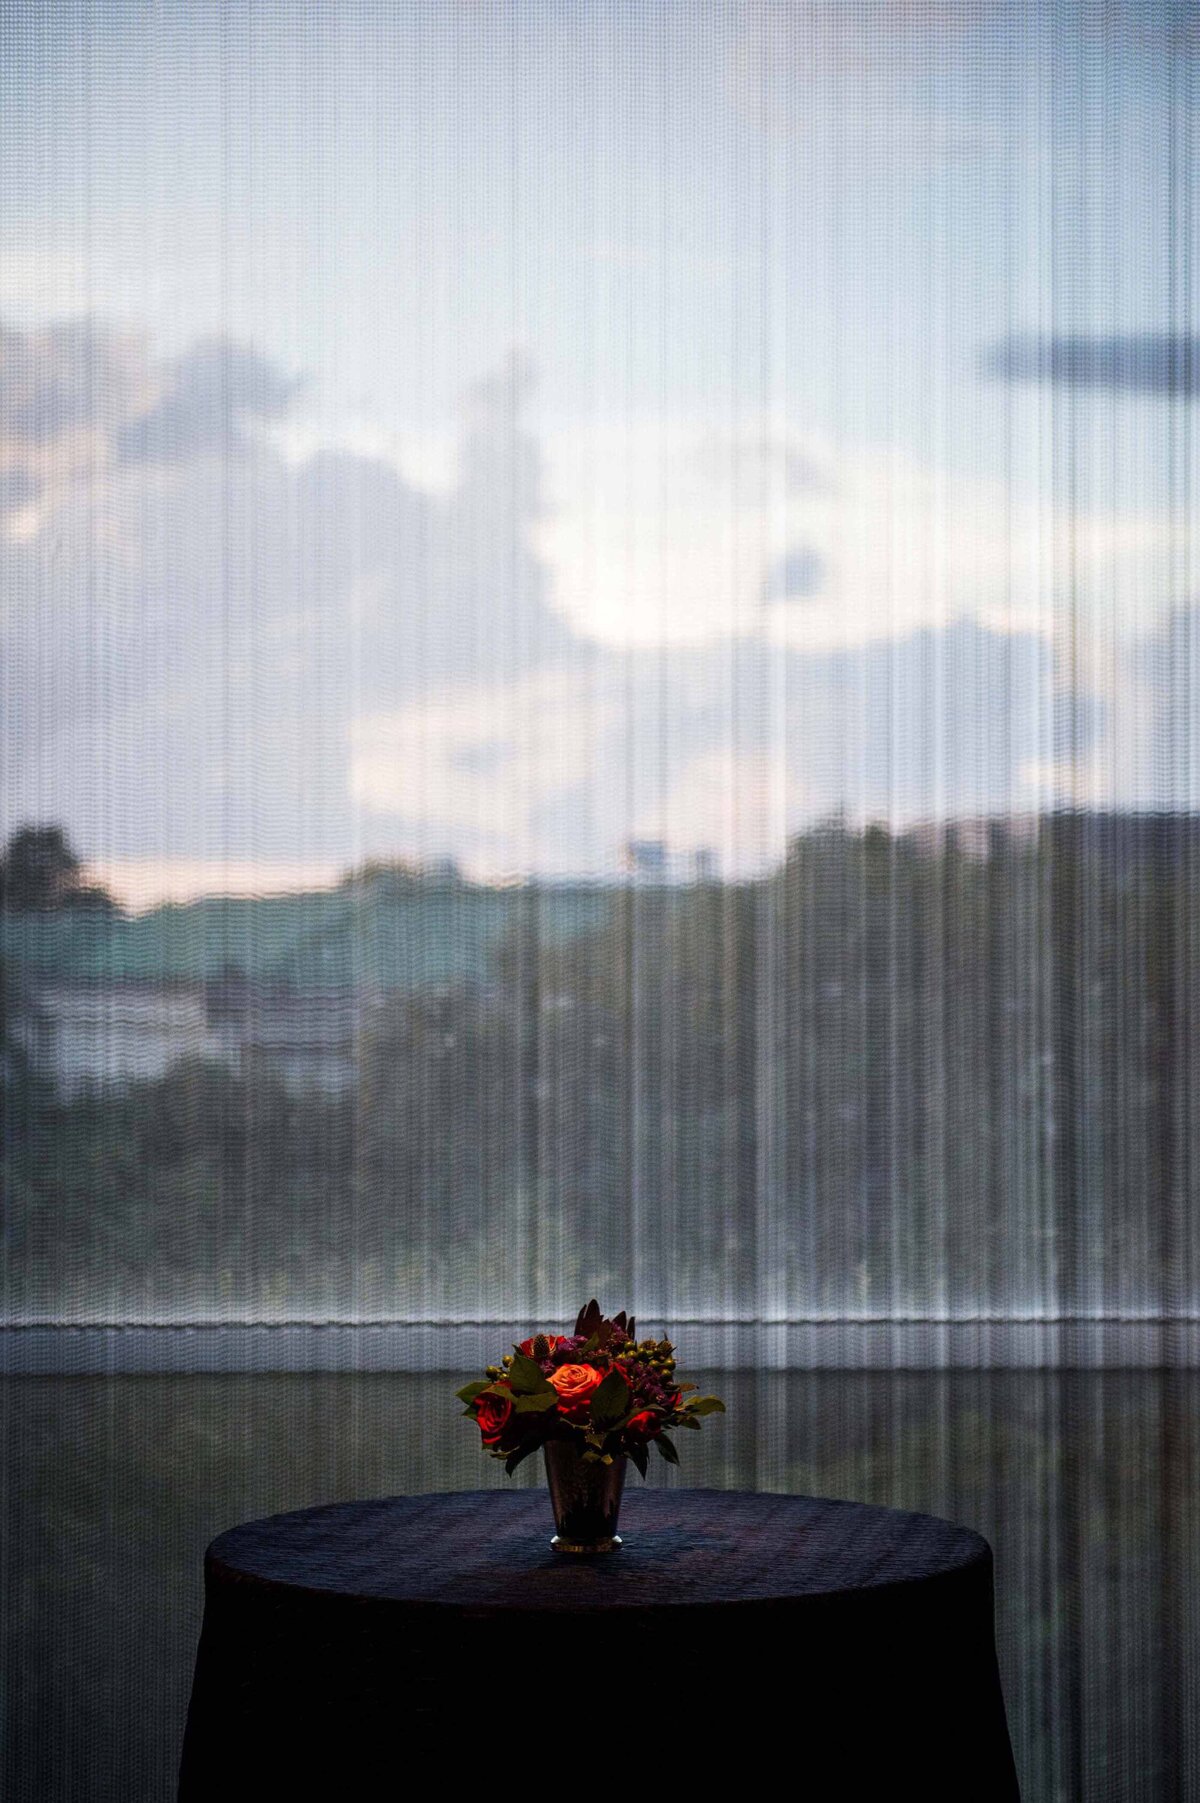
492, 1412
644, 1425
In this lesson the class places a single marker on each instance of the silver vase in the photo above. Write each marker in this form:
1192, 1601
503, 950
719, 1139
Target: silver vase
586, 1499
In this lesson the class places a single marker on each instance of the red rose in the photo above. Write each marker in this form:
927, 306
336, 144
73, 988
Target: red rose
492, 1412
575, 1384
644, 1425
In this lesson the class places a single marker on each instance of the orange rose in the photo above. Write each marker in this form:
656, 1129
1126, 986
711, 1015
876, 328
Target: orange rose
575, 1384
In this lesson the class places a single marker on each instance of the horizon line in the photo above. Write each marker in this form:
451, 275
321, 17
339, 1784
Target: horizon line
131, 882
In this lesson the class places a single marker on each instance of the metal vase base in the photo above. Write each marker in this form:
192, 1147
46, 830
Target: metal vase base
586, 1499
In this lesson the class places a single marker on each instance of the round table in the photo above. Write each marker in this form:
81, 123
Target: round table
339, 1644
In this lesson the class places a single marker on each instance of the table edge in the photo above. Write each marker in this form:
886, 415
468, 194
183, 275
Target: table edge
218, 1570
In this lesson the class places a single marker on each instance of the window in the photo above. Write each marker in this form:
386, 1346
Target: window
599, 663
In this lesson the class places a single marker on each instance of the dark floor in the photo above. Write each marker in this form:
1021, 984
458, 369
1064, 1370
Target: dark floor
1086, 1483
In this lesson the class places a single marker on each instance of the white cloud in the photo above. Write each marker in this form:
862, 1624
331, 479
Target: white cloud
482, 758
673, 534
662, 532
219, 667
425, 457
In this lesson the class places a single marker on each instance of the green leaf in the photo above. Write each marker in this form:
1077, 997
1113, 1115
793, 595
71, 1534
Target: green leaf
610, 1402
688, 1421
586, 1350
704, 1405
522, 1452
525, 1379
469, 1392
638, 1455
667, 1449
543, 1400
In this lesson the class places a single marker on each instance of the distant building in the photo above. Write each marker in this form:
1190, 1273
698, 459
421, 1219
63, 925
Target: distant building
84, 1037
88, 1038
306, 1038
646, 860
286, 985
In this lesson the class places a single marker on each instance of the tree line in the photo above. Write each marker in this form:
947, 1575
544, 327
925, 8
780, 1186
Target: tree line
901, 1075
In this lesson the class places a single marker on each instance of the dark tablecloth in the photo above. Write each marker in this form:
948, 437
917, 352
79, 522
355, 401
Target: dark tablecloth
849, 1649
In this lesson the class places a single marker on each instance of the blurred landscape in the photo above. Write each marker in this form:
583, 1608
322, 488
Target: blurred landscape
930, 1075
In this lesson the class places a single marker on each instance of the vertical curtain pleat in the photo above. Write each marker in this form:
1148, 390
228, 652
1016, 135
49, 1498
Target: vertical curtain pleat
599, 661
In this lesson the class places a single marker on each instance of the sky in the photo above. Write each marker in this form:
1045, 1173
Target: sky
502, 431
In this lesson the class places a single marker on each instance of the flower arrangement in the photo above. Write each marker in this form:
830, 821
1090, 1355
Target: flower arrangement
599, 1389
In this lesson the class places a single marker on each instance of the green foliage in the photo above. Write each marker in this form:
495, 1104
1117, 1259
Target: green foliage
539, 1403
978, 1061
40, 873
525, 1379
610, 1403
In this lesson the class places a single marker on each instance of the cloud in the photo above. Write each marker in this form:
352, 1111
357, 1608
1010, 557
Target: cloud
798, 574
663, 532
733, 802
187, 642
209, 395
79, 399
730, 747
64, 391
60, 379
1155, 363
18, 487
485, 757
251, 664
671, 534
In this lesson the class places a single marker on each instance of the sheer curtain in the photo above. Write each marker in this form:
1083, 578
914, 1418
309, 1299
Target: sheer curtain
604, 602
598, 675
